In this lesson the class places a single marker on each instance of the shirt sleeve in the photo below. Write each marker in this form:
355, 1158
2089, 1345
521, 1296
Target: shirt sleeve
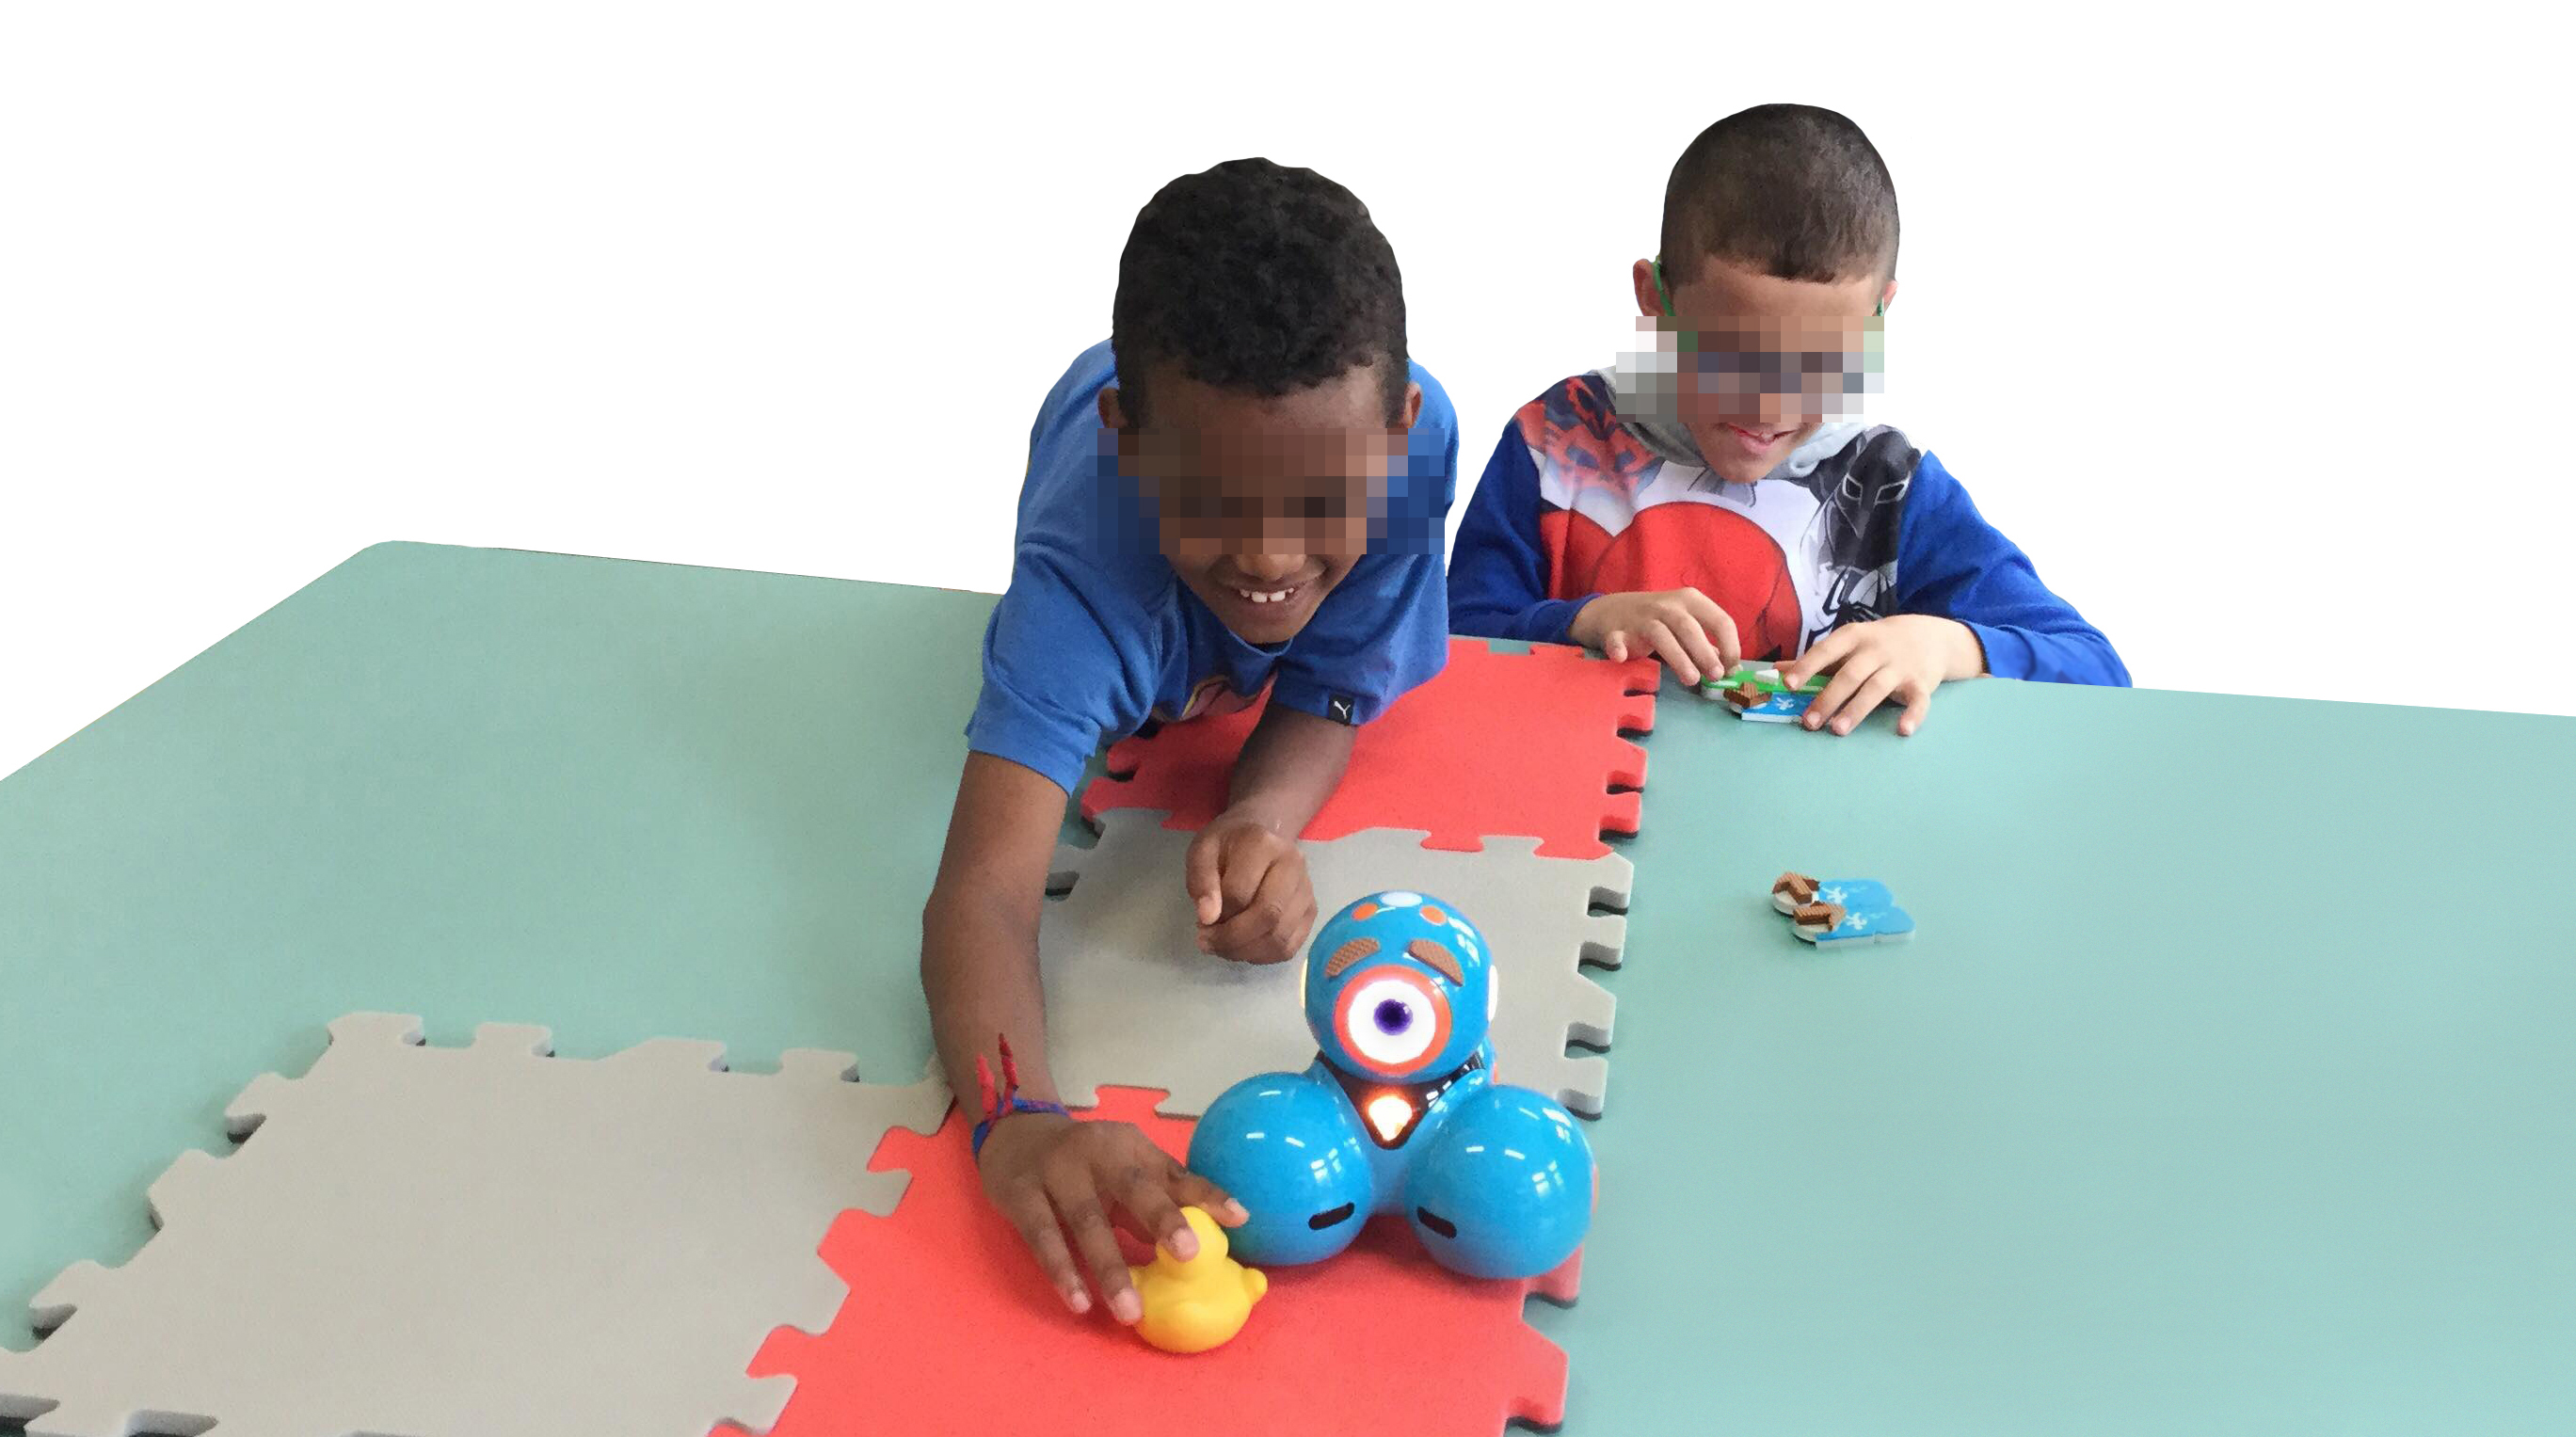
1424, 484
1498, 579
1950, 562
1066, 664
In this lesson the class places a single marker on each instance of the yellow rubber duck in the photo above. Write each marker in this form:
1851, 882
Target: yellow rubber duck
1199, 1304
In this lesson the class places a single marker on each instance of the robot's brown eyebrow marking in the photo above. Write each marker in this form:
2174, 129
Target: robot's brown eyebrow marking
1441, 959
1348, 954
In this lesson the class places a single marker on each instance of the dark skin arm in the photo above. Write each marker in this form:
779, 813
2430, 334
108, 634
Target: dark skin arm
979, 932
1053, 1177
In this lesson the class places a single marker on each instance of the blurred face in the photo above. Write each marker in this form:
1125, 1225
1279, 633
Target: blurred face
1763, 362
1263, 502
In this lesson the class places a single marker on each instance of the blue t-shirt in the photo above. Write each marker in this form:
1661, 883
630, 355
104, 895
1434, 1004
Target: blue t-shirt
1097, 634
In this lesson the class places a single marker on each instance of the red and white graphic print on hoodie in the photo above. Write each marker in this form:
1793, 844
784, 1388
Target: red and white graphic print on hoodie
1625, 506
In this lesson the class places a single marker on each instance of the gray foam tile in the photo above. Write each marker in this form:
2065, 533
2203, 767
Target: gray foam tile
475, 1242
1132, 1002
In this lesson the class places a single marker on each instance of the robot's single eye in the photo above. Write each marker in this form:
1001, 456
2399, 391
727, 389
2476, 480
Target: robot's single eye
1392, 1022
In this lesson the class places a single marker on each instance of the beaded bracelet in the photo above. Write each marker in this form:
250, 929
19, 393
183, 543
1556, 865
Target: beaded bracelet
1017, 1105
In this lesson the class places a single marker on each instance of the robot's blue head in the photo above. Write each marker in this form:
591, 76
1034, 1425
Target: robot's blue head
1399, 987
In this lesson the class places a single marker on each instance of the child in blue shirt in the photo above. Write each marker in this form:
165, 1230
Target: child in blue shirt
1244, 490
1714, 501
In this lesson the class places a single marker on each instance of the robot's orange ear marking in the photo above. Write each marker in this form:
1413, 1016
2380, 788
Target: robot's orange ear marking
1364, 912
1442, 961
1434, 914
1348, 954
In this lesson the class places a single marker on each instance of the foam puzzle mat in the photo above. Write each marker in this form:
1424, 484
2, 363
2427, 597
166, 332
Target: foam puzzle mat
475, 1242
1500, 743
951, 1328
1132, 1001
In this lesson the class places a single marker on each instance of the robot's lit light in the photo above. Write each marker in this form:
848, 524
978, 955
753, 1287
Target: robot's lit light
1388, 1113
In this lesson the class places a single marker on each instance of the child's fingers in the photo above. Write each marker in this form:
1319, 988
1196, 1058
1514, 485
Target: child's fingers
1703, 654
1824, 654
1301, 918
1206, 1196
1243, 874
1870, 695
1200, 870
1718, 625
1077, 1203
1034, 1216
1915, 708
1615, 648
1668, 646
1131, 1226
1270, 922
1848, 677
1239, 875
1150, 1203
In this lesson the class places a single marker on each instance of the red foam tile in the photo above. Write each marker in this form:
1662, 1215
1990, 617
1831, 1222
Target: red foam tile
949, 1327
1518, 745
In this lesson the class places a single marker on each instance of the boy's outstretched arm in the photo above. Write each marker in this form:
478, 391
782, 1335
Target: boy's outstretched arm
1062, 1183
1245, 872
1952, 563
1968, 603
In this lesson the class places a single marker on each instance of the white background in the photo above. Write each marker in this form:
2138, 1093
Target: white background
2249, 329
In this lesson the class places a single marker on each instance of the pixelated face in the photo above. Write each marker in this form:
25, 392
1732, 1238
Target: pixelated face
1762, 362
1263, 503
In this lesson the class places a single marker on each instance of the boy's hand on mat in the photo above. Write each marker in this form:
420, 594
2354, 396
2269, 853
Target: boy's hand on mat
1058, 1179
1683, 627
1255, 902
1904, 657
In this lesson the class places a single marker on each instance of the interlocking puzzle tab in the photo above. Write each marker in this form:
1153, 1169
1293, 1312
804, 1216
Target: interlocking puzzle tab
1776, 708
483, 1240
1817, 918
1840, 912
1756, 692
1761, 678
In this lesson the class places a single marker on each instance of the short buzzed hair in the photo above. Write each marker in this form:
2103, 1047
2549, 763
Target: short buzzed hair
1258, 277
1795, 191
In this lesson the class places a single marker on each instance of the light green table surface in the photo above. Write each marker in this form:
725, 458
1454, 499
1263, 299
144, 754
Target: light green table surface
2229, 1085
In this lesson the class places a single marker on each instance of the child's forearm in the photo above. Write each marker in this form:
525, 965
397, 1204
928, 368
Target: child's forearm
2069, 652
1290, 765
979, 931
1952, 564
1542, 621
979, 970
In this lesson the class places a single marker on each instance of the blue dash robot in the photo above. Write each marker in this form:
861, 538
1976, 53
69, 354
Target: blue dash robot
1400, 1112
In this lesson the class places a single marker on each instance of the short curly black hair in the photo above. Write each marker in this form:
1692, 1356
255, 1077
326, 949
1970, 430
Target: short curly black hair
1795, 191
1256, 276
